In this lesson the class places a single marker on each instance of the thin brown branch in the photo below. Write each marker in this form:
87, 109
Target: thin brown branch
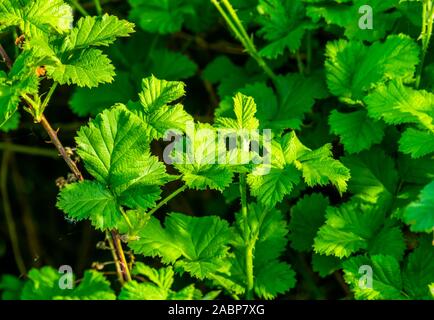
115, 257
120, 253
5, 57
55, 140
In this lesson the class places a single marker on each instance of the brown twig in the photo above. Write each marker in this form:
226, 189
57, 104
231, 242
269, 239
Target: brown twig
55, 140
115, 257
5, 57
121, 255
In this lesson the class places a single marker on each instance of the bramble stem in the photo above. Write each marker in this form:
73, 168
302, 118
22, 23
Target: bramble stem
34, 151
240, 32
247, 238
55, 140
48, 97
425, 36
127, 220
79, 7
8, 213
166, 200
98, 7
115, 257
120, 254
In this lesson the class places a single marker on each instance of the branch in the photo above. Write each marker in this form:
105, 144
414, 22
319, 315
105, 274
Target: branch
5, 57
55, 140
34, 151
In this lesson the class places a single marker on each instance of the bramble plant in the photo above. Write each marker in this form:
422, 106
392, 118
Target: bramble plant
315, 136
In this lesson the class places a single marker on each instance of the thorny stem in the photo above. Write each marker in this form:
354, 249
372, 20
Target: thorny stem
115, 257
28, 150
166, 200
249, 242
8, 213
240, 32
425, 36
55, 140
48, 97
79, 7
120, 253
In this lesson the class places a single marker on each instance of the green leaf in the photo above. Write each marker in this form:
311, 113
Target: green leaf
419, 271
195, 245
374, 177
347, 229
353, 68
319, 168
97, 31
245, 109
307, 216
162, 277
36, 18
43, 284
416, 171
12, 123
420, 214
20, 80
417, 143
356, 130
11, 287
396, 104
86, 68
296, 96
133, 290
276, 278
156, 108
197, 157
347, 16
270, 182
160, 16
90, 200
388, 241
386, 277
115, 150
325, 265
271, 188
93, 286
162, 280
283, 24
